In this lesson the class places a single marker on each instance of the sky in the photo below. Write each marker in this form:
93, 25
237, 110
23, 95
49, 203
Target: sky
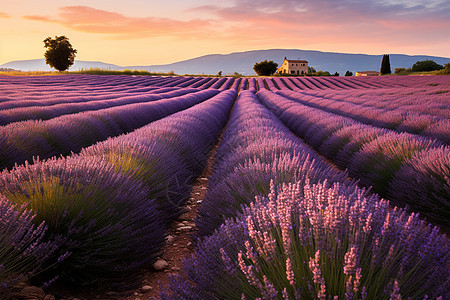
145, 32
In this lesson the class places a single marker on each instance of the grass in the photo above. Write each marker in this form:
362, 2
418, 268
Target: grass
91, 71
98, 71
440, 72
31, 73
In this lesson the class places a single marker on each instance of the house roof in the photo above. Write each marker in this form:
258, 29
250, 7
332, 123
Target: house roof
367, 73
296, 61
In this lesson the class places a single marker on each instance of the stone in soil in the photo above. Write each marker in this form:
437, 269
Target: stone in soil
184, 228
31, 293
146, 288
160, 265
169, 239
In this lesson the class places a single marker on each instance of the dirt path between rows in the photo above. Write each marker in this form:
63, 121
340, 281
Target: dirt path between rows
179, 245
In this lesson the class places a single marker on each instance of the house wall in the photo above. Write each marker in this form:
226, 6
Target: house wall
293, 68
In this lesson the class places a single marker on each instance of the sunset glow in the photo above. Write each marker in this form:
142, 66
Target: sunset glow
138, 32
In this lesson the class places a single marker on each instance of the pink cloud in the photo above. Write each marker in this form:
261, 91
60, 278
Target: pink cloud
91, 20
4, 15
39, 18
309, 24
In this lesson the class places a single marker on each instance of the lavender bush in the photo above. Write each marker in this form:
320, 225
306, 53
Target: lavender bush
96, 216
323, 242
377, 161
425, 181
156, 165
22, 249
343, 143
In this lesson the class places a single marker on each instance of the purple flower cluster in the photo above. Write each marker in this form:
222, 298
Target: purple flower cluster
95, 216
318, 241
425, 181
22, 141
22, 249
168, 154
400, 117
47, 110
373, 155
255, 148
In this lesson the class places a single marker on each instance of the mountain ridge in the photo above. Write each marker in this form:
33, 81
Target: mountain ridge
242, 62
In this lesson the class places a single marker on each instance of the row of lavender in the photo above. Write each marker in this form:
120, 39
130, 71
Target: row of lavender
430, 118
21, 141
98, 218
430, 99
31, 97
32, 88
50, 97
321, 237
408, 169
48, 106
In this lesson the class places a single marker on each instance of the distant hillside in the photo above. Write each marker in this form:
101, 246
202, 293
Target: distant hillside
242, 62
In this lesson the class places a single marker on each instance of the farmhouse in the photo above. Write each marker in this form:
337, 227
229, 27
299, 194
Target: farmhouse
297, 67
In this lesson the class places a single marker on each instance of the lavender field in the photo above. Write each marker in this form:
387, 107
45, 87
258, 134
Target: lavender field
321, 187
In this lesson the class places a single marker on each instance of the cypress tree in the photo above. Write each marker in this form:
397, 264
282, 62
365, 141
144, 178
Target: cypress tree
385, 65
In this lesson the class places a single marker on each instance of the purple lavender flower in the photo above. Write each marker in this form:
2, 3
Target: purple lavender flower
22, 247
96, 216
364, 264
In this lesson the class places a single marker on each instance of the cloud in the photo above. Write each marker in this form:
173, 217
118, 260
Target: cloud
39, 18
341, 25
91, 20
4, 15
330, 11
312, 22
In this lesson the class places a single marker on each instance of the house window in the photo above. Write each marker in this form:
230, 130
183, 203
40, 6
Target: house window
303, 72
292, 72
